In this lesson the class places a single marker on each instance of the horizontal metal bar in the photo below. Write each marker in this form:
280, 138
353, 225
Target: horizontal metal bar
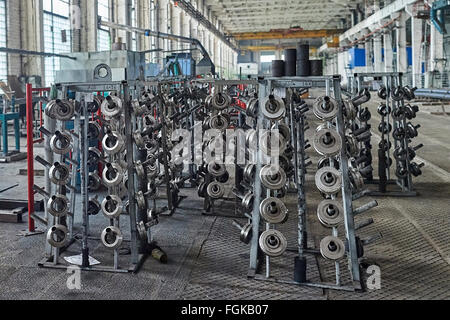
35, 53
366, 207
39, 219
320, 285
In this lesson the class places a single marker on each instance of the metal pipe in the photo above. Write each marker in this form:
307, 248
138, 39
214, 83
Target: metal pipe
159, 35
35, 53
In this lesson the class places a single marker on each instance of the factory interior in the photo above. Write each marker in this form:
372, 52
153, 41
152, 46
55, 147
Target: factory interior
224, 150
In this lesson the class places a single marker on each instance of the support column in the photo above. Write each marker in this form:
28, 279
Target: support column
123, 17
33, 36
14, 35
377, 54
278, 54
369, 49
175, 20
377, 45
162, 24
416, 36
436, 62
402, 58
170, 44
84, 20
186, 29
388, 54
143, 21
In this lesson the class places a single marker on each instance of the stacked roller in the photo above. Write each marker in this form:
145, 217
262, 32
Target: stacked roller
290, 62
303, 62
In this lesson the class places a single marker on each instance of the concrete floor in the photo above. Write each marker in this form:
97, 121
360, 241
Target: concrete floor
207, 260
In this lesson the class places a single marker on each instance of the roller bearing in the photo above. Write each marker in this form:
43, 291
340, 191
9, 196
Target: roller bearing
152, 146
113, 143
273, 243
273, 177
94, 130
112, 237
252, 107
273, 211
219, 122
58, 236
273, 108
330, 213
113, 175
248, 200
94, 207
332, 248
215, 190
59, 174
325, 108
62, 110
61, 143
249, 173
220, 101
350, 110
95, 182
327, 142
216, 169
112, 207
112, 106
140, 200
328, 180
58, 206
356, 179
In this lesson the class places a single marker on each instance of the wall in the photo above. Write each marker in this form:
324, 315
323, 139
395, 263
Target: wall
25, 24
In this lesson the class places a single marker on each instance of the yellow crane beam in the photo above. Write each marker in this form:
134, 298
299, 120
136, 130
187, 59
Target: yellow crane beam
312, 50
286, 34
265, 48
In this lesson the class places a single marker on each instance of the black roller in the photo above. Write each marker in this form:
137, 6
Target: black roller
303, 68
303, 52
290, 68
316, 67
290, 55
278, 68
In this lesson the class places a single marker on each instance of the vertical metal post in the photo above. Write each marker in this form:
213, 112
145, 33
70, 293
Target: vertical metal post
346, 191
30, 157
76, 155
130, 164
301, 171
84, 183
257, 187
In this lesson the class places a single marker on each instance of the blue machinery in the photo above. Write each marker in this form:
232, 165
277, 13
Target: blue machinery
5, 117
437, 14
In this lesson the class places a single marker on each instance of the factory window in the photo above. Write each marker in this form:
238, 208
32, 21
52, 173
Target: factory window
103, 35
3, 56
267, 57
133, 24
56, 23
153, 26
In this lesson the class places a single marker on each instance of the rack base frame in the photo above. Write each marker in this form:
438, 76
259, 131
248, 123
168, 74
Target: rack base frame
357, 286
49, 263
390, 193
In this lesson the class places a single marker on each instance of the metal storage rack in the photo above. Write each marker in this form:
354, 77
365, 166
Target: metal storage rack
391, 80
330, 84
83, 96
